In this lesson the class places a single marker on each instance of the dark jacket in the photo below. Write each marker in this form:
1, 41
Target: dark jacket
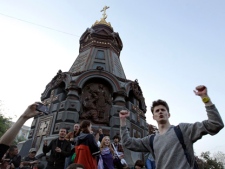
55, 157
15, 160
87, 147
26, 164
3, 150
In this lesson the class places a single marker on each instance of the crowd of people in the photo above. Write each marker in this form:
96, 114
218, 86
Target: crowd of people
80, 146
170, 147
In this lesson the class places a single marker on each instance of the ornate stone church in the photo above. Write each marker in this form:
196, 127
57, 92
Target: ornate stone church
94, 88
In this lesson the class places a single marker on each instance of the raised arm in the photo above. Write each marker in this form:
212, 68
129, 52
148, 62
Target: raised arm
12, 132
131, 143
203, 93
214, 123
46, 148
211, 126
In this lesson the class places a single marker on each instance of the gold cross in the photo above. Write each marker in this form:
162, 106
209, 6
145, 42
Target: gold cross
104, 10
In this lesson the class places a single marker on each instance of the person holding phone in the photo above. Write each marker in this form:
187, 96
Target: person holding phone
166, 146
8, 137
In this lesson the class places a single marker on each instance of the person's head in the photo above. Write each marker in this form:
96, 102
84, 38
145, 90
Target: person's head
13, 150
139, 164
160, 111
100, 131
158, 103
32, 152
105, 142
75, 166
76, 127
116, 138
85, 126
62, 133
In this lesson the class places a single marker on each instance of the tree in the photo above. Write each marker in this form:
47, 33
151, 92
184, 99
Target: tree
4, 121
210, 162
220, 157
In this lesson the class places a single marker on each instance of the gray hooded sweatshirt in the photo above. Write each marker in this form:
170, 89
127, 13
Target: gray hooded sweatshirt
168, 151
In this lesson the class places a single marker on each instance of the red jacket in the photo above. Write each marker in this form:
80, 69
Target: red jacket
86, 149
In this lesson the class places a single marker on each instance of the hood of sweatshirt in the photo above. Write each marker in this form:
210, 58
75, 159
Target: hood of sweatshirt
82, 137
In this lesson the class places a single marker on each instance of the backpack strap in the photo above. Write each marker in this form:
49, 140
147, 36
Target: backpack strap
181, 139
151, 139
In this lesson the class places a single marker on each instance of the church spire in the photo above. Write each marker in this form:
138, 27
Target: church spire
103, 19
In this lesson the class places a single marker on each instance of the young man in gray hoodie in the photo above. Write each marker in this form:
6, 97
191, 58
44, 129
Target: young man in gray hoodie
167, 149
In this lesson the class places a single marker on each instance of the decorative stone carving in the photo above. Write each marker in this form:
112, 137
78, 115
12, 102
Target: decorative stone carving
100, 68
136, 131
136, 89
138, 93
51, 99
139, 112
96, 103
43, 129
57, 79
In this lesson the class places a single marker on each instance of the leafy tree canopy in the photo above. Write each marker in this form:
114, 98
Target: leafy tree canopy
209, 162
4, 121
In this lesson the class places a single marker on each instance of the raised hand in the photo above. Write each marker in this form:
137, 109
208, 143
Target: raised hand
45, 142
124, 113
97, 137
201, 91
31, 111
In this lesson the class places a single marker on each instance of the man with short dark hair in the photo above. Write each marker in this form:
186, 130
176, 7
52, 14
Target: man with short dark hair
167, 145
60, 149
14, 156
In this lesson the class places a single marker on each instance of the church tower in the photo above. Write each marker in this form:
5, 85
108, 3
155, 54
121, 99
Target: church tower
94, 88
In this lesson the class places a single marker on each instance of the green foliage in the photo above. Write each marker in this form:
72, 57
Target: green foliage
220, 157
210, 162
4, 123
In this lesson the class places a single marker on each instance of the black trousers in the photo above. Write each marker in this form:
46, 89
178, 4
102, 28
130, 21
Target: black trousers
117, 163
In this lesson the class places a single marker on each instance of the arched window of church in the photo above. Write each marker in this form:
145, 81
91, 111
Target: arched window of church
100, 55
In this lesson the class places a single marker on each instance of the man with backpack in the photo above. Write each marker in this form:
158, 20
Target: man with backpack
172, 146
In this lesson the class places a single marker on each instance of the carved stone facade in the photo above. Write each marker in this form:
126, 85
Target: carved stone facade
96, 89
96, 102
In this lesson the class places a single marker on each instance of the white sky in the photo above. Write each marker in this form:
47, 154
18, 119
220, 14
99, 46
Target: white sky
169, 46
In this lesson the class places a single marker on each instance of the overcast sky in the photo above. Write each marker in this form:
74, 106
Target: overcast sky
169, 46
